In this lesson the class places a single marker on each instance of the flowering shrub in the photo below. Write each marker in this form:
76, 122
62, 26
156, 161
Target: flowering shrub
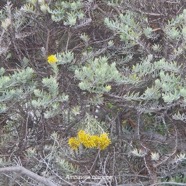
115, 66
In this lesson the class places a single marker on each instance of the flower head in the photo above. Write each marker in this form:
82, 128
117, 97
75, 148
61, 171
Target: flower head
82, 135
108, 88
103, 141
74, 143
89, 141
95, 139
85, 139
52, 59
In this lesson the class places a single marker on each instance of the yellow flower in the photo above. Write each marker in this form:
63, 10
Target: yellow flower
85, 139
90, 141
104, 141
108, 88
74, 143
95, 139
52, 59
82, 135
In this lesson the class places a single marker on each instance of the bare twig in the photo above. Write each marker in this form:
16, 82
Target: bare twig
47, 42
92, 169
170, 155
169, 183
23, 171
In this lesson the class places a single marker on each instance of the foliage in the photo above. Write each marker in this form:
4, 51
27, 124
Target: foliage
96, 75
72, 72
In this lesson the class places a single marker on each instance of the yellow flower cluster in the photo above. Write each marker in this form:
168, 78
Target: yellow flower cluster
52, 59
89, 141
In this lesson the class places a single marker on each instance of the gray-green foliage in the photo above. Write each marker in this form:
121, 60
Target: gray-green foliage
126, 26
65, 57
155, 80
167, 82
49, 98
22, 85
96, 74
176, 29
91, 125
69, 12
15, 87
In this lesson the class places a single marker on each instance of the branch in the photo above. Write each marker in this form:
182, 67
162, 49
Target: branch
161, 183
169, 183
23, 171
169, 155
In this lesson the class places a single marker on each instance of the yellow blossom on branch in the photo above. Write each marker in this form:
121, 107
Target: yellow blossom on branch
52, 59
74, 143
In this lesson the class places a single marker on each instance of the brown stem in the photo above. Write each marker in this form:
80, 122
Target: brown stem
23, 171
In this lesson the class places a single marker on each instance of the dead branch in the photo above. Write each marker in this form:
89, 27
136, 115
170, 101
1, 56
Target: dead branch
24, 171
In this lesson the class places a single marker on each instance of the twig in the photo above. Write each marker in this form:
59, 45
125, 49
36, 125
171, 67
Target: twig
134, 184
68, 39
138, 125
23, 171
169, 183
166, 158
94, 163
